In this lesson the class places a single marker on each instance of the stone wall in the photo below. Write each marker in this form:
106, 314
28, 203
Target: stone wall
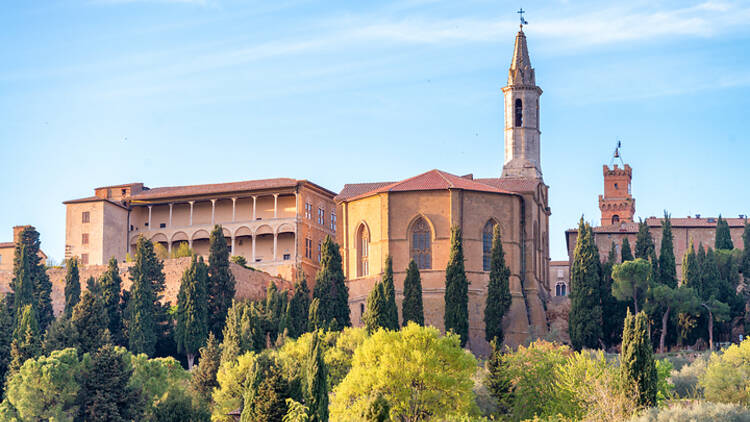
251, 284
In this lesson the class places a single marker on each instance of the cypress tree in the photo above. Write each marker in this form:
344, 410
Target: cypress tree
91, 322
376, 315
331, 289
314, 321
26, 342
275, 310
22, 283
389, 289
316, 382
637, 358
626, 254
61, 334
412, 308
72, 286
299, 308
644, 243
192, 310
613, 308
667, 267
106, 392
30, 274
221, 282
265, 400
585, 316
6, 337
204, 380
723, 236
498, 291
745, 260
142, 328
457, 290
111, 286
690, 269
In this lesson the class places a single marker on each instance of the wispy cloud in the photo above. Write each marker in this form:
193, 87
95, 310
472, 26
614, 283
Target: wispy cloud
192, 2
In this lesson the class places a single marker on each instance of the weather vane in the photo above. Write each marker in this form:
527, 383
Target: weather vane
616, 154
523, 21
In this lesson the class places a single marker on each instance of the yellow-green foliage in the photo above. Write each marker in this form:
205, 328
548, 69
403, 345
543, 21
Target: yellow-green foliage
727, 377
233, 377
686, 379
695, 412
157, 378
183, 250
421, 374
160, 251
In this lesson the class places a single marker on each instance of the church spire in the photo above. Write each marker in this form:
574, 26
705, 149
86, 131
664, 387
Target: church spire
521, 72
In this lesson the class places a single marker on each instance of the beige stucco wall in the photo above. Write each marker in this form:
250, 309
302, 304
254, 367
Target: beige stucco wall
6, 258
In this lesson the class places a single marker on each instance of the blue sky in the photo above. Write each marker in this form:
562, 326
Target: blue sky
97, 92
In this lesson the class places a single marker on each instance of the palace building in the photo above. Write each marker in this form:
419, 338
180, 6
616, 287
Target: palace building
412, 219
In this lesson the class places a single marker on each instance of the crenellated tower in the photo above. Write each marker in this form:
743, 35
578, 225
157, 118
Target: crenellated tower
522, 134
617, 204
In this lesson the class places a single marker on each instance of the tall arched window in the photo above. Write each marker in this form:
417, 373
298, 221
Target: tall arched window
421, 248
363, 251
487, 233
561, 289
615, 219
519, 112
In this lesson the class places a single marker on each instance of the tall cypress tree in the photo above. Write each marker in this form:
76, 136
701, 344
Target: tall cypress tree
723, 236
376, 315
613, 308
72, 286
6, 337
298, 308
28, 269
316, 382
389, 289
90, 320
330, 287
498, 291
192, 310
457, 289
106, 393
142, 328
637, 358
111, 286
23, 282
745, 262
585, 316
667, 267
412, 308
626, 253
221, 282
644, 243
690, 270
26, 342
314, 321
204, 380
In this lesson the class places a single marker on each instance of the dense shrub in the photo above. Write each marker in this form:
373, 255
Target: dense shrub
685, 380
232, 377
727, 376
696, 412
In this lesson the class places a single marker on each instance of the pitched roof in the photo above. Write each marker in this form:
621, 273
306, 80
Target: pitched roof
93, 199
351, 190
193, 190
706, 222
431, 180
513, 185
4, 245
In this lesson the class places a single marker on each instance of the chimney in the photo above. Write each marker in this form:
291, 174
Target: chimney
17, 232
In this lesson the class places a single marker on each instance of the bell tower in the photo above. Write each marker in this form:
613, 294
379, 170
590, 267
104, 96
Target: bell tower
617, 205
522, 134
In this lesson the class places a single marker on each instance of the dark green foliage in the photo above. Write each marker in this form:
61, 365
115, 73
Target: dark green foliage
625, 253
723, 236
330, 287
26, 339
745, 261
243, 330
72, 286
274, 310
375, 316
498, 291
644, 243
391, 310
30, 284
710, 277
585, 316
106, 393
315, 385
499, 382
691, 271
667, 266
298, 309
143, 307
265, 399
6, 337
611, 307
61, 334
457, 289
111, 286
90, 319
412, 308
23, 282
221, 283
178, 407
203, 380
191, 330
379, 410
637, 358
314, 321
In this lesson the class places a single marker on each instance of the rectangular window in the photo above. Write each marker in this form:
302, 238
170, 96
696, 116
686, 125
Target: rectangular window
287, 257
308, 248
321, 216
320, 251
162, 225
308, 210
85, 217
85, 259
333, 221
84, 238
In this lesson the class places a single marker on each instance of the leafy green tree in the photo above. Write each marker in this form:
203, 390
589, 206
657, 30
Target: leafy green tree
727, 377
412, 308
457, 289
274, 320
710, 294
243, 331
389, 289
265, 399
30, 284
178, 406
631, 280
400, 366
298, 308
637, 358
106, 393
585, 317
498, 291
26, 342
203, 379
665, 299
644, 243
192, 310
183, 250
611, 306
330, 287
667, 267
61, 334
72, 286
379, 410
148, 281
376, 316
221, 283
723, 236
316, 382
90, 319
626, 253
314, 319
111, 286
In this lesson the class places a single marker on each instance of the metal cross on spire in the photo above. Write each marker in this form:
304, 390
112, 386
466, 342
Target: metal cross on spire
523, 21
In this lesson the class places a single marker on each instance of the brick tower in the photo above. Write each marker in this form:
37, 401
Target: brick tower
617, 204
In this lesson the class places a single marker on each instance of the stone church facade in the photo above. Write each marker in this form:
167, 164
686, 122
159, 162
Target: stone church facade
412, 219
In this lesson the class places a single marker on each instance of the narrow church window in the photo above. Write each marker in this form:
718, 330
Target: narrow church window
363, 251
421, 248
519, 112
561, 289
487, 245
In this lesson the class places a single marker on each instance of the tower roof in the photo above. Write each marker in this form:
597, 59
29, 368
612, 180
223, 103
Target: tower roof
521, 72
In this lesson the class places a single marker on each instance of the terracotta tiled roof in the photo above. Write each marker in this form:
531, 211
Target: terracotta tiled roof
355, 189
193, 190
697, 222
431, 180
513, 185
559, 263
4, 245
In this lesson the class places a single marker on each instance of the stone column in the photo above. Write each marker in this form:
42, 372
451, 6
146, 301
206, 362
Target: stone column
275, 239
275, 205
213, 212
170, 214
234, 210
255, 200
232, 252
149, 217
253, 247
169, 246
191, 218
